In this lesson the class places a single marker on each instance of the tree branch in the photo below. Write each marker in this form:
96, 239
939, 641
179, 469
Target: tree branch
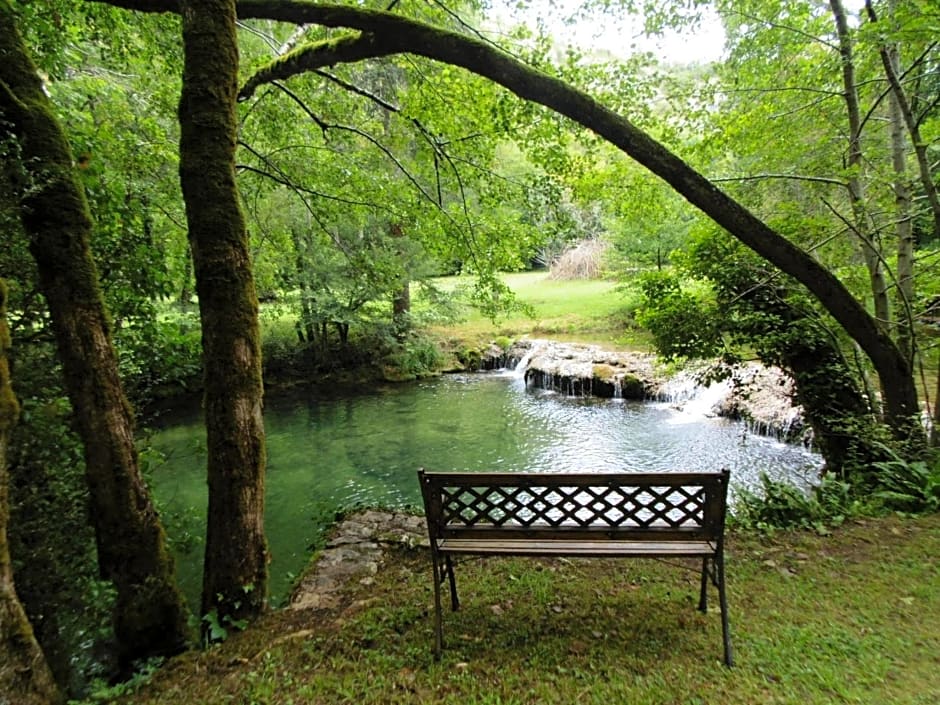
385, 34
792, 177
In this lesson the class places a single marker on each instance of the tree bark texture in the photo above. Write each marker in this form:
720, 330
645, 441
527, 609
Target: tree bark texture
24, 674
401, 298
384, 33
236, 558
150, 615
904, 227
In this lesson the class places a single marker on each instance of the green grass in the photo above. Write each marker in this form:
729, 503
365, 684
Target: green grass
591, 311
849, 618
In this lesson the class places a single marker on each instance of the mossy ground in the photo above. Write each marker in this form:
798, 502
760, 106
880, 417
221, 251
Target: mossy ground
852, 617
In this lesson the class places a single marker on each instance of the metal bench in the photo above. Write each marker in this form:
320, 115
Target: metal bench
596, 515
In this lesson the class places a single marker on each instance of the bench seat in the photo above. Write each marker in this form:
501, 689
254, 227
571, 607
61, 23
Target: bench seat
578, 548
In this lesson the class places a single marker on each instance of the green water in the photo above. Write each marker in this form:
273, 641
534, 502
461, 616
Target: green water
329, 453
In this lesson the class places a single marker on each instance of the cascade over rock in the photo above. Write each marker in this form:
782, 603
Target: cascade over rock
759, 395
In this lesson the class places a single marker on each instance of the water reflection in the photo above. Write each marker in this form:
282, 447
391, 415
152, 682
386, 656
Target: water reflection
330, 453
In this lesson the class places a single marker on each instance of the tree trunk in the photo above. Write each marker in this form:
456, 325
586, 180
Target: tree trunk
306, 327
401, 299
235, 570
150, 616
917, 140
24, 674
935, 428
904, 228
867, 240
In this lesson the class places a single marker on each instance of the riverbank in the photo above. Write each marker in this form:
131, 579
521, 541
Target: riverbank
853, 616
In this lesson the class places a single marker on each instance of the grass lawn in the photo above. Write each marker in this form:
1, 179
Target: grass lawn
852, 617
580, 310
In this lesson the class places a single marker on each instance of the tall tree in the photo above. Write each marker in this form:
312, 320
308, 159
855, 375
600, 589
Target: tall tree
236, 558
150, 616
24, 673
867, 236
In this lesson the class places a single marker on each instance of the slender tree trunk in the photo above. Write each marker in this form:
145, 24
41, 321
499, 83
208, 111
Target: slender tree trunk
401, 299
917, 140
235, 571
903, 227
150, 616
302, 251
867, 240
25, 677
935, 430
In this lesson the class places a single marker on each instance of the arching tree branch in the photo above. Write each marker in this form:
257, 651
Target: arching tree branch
386, 33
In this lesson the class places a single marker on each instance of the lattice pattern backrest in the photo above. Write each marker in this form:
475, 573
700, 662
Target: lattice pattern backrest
674, 505
624, 506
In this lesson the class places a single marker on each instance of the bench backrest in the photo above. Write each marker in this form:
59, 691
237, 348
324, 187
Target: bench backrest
672, 506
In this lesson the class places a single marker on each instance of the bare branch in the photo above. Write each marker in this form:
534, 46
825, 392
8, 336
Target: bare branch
788, 177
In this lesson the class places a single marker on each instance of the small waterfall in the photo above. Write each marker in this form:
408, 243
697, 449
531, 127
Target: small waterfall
688, 396
520, 367
786, 428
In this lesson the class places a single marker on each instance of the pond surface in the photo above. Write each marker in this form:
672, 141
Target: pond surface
327, 454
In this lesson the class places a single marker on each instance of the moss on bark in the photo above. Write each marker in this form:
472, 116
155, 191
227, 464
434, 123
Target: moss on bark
24, 674
235, 570
150, 617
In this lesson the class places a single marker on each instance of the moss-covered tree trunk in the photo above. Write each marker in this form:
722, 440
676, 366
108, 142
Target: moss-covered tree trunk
235, 570
25, 677
150, 615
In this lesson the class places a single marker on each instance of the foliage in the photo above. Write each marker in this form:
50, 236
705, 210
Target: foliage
782, 505
160, 358
909, 486
104, 691
682, 320
52, 544
415, 356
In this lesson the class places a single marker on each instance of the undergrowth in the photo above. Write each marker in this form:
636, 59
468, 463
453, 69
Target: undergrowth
903, 486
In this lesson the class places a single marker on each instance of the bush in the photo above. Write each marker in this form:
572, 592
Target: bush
416, 356
909, 486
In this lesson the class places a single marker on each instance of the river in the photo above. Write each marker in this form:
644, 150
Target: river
327, 453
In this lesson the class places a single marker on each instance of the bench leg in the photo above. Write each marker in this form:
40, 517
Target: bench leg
703, 593
723, 601
454, 602
438, 623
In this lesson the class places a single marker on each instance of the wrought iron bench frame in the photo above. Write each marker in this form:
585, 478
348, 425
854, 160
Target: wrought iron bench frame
593, 515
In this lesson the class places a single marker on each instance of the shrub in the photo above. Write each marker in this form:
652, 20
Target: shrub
781, 505
909, 486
